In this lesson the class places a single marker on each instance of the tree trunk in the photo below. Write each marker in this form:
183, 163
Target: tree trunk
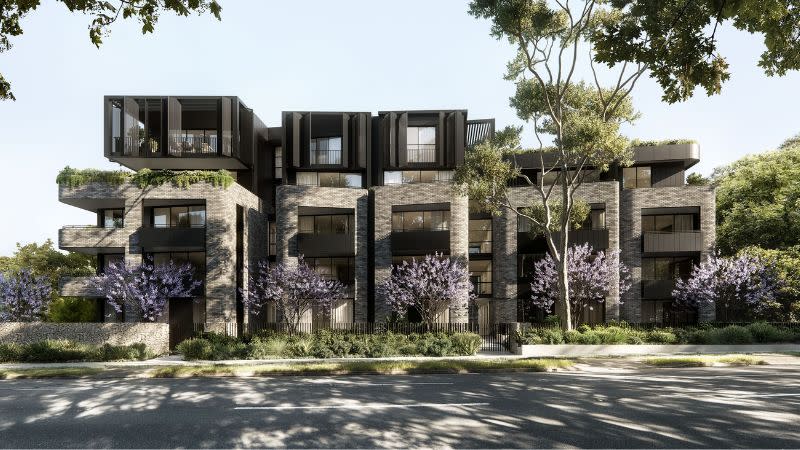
564, 310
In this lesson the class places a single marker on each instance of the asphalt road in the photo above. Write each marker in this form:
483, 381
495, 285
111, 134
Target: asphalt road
714, 407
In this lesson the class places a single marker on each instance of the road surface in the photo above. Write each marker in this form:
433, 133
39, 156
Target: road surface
711, 407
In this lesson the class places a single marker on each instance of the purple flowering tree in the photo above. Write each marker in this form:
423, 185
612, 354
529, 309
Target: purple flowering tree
24, 297
741, 284
588, 273
294, 290
146, 287
430, 286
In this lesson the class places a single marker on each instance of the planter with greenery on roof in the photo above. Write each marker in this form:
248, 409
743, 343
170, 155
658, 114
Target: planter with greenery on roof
70, 177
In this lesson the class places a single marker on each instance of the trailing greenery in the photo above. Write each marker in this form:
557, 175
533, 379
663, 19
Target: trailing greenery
78, 177
329, 344
145, 177
67, 351
759, 332
182, 178
654, 143
365, 367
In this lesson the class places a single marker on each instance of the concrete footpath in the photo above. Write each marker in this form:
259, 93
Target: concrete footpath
581, 363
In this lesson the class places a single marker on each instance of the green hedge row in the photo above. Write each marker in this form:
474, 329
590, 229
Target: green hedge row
754, 333
67, 351
329, 344
145, 177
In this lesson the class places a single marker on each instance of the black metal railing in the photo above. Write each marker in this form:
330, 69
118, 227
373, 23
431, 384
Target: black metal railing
183, 145
326, 157
421, 153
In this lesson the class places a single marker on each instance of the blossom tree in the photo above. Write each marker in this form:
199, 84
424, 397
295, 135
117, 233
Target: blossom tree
24, 297
430, 286
589, 273
743, 284
146, 287
294, 290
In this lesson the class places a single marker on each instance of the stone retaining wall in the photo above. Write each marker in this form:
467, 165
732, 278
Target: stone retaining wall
154, 335
569, 350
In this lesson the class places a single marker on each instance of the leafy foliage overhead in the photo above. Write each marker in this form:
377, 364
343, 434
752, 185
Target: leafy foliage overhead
758, 201
103, 12
677, 39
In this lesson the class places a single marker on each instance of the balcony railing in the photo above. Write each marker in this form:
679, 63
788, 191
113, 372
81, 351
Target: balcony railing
420, 242
421, 153
172, 239
182, 145
77, 287
90, 237
598, 239
310, 244
677, 241
325, 157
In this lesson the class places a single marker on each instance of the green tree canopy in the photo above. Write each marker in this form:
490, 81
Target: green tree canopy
103, 12
678, 43
758, 201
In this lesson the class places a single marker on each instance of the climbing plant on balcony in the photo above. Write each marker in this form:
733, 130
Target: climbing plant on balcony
182, 178
77, 177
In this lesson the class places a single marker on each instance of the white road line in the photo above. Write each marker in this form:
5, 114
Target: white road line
364, 406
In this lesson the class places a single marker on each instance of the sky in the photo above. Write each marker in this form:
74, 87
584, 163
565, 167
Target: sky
313, 55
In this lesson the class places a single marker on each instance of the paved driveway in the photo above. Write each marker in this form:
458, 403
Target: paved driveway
712, 407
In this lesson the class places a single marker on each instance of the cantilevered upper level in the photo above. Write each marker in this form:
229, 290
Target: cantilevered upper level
182, 133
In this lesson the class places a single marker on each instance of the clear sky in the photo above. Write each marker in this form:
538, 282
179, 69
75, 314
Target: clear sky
312, 55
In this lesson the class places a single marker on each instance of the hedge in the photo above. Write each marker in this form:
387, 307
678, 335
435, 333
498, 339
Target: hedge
329, 344
145, 177
68, 351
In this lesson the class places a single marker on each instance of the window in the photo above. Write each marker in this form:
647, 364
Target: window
196, 259
326, 224
113, 218
668, 223
589, 176
420, 221
666, 268
105, 260
326, 150
417, 176
179, 216
273, 237
278, 162
342, 270
596, 220
203, 142
525, 262
636, 177
116, 127
421, 144
524, 225
329, 179
480, 236
480, 274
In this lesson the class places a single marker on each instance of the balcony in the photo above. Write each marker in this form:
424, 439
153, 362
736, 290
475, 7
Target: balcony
90, 239
657, 289
598, 239
421, 153
420, 242
325, 245
671, 242
77, 287
172, 239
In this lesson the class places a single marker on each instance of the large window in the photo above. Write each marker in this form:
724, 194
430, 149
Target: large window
669, 223
417, 176
326, 224
179, 216
420, 221
196, 259
636, 177
104, 260
552, 177
480, 273
342, 270
329, 179
326, 150
278, 162
525, 262
669, 268
273, 238
480, 236
421, 144
203, 142
113, 218
596, 220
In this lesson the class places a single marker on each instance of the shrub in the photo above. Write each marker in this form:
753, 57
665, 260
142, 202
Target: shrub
733, 334
300, 346
764, 332
541, 336
466, 343
71, 309
65, 351
661, 337
77, 177
197, 348
268, 347
182, 178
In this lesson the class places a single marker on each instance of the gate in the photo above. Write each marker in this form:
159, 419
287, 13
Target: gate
496, 337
